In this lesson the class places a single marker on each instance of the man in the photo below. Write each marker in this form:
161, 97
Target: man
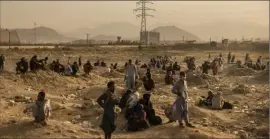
22, 66
229, 57
180, 89
176, 67
170, 68
43, 63
75, 68
148, 82
41, 109
34, 63
131, 75
259, 60
108, 101
87, 67
247, 59
205, 67
2, 62
233, 58
169, 79
149, 109
80, 61
59, 68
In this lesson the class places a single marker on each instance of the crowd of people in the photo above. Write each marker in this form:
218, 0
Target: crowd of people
139, 112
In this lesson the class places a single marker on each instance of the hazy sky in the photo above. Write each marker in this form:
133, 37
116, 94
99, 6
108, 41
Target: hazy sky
70, 15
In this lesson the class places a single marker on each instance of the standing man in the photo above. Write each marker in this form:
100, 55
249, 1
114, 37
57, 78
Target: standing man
229, 57
2, 62
108, 101
131, 75
180, 89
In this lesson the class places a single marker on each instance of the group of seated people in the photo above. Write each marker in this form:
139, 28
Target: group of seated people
56, 66
34, 64
215, 101
102, 64
139, 113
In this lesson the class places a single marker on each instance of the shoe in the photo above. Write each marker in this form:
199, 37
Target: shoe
190, 125
181, 125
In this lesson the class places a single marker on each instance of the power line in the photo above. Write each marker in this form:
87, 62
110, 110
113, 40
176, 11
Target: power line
143, 16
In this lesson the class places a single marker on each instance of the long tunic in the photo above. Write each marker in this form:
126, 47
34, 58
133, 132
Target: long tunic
181, 113
131, 73
108, 101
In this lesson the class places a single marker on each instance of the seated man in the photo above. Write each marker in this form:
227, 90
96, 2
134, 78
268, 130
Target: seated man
103, 64
150, 112
22, 66
75, 68
233, 58
169, 78
170, 68
87, 67
41, 109
176, 67
205, 67
144, 66
43, 63
59, 68
137, 121
115, 66
97, 63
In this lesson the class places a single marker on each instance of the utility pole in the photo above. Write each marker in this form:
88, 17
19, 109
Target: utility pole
35, 32
143, 16
87, 39
8, 38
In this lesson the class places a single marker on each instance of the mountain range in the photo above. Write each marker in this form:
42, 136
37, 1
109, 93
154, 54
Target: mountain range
128, 31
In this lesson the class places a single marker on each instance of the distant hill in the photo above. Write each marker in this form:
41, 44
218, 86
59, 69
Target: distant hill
43, 35
129, 31
173, 33
123, 29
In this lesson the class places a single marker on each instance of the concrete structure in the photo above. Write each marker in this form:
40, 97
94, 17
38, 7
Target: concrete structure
150, 37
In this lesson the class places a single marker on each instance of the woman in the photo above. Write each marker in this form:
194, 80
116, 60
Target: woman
108, 101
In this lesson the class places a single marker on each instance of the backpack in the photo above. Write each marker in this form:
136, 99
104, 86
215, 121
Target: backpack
39, 110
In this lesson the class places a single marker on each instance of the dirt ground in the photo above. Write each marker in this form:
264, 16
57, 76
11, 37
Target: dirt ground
75, 112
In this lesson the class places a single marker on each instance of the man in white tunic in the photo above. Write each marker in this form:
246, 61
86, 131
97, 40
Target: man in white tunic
131, 75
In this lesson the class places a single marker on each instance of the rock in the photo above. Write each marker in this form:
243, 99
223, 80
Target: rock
47, 133
67, 122
86, 124
71, 131
12, 121
77, 117
252, 122
11, 103
243, 134
85, 98
235, 132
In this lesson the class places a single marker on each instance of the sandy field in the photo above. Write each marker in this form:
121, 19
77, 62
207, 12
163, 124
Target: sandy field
76, 114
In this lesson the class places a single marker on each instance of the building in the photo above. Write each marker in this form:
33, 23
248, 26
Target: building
150, 37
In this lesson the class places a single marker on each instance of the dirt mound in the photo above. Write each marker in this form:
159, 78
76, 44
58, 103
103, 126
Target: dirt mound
112, 74
263, 76
234, 71
243, 89
202, 79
